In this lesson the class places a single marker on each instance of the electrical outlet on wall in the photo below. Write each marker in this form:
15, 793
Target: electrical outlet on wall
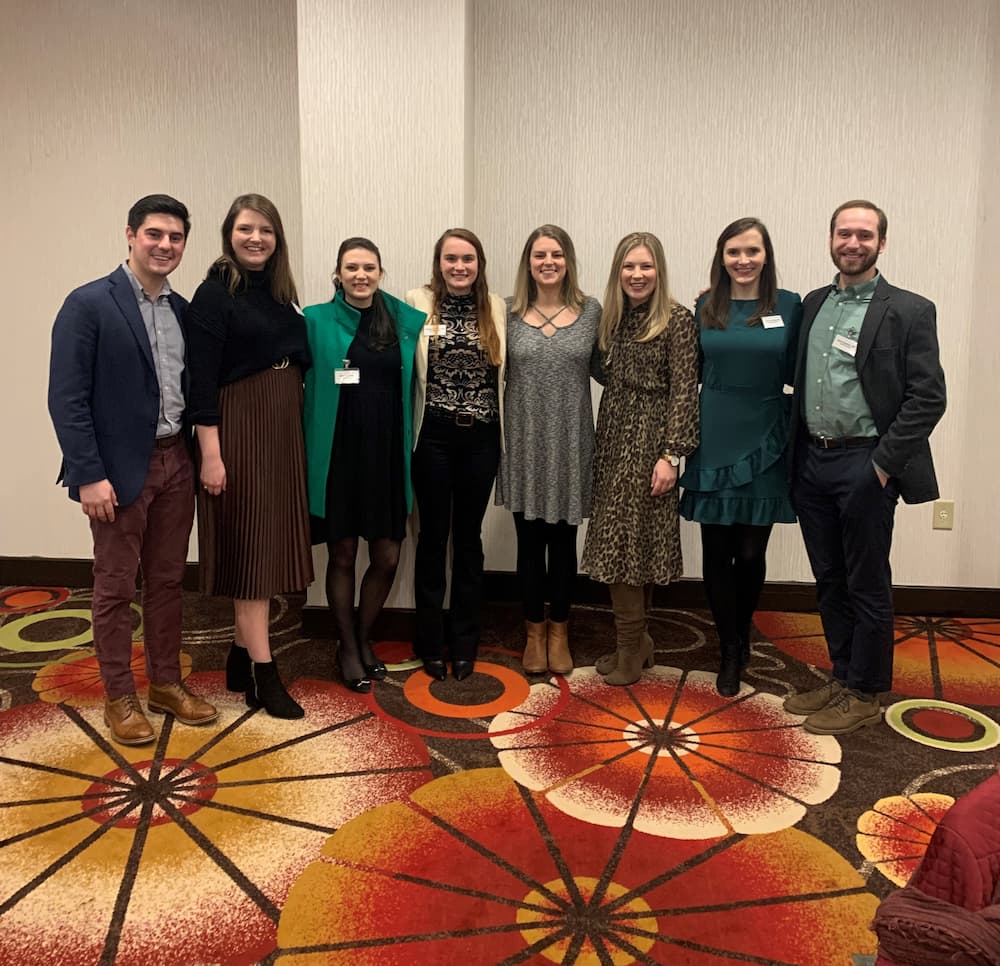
944, 515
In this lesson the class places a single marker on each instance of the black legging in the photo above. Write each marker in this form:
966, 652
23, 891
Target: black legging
734, 564
539, 581
383, 557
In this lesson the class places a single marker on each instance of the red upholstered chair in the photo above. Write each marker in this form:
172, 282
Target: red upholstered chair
949, 911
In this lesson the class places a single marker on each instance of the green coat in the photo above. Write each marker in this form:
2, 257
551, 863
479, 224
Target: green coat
331, 327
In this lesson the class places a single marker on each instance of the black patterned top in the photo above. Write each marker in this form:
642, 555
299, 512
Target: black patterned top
459, 376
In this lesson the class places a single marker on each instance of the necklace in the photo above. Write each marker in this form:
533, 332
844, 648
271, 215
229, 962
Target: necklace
549, 318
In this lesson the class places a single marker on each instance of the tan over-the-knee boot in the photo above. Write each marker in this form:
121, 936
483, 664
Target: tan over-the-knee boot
628, 603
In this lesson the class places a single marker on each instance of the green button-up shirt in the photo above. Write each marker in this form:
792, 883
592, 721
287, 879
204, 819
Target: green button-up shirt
834, 403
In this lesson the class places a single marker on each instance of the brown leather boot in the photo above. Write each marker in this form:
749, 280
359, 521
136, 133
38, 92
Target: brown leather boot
535, 659
634, 647
186, 707
560, 659
129, 726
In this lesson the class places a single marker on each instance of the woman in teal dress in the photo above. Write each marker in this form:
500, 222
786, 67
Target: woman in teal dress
359, 433
735, 483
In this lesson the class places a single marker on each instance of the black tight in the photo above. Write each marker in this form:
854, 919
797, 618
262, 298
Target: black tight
383, 556
539, 580
734, 564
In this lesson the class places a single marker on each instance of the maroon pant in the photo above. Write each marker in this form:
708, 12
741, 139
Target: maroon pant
152, 532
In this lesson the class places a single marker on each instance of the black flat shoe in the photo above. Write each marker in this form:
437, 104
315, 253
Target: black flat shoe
357, 685
374, 669
436, 668
462, 669
377, 671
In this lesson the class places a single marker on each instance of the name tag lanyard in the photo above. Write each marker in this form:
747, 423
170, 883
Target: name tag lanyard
347, 376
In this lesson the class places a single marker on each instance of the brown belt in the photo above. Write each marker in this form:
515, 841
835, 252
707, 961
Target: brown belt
165, 442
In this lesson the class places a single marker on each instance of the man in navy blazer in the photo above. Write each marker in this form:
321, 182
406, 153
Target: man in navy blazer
869, 390
116, 398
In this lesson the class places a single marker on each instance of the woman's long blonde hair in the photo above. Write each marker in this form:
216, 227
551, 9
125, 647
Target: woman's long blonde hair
660, 305
489, 338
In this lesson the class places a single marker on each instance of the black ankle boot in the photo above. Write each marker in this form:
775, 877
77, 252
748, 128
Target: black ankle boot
238, 669
267, 691
727, 682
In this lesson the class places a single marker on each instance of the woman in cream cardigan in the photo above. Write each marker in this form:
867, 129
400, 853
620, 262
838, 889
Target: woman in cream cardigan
457, 425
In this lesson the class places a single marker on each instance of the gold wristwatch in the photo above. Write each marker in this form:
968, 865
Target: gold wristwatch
671, 459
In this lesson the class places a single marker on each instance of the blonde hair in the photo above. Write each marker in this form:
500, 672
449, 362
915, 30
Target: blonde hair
661, 303
525, 289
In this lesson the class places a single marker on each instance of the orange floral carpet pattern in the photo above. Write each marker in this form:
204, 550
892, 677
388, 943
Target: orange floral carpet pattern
498, 820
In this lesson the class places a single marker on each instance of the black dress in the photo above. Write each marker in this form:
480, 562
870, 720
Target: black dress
365, 490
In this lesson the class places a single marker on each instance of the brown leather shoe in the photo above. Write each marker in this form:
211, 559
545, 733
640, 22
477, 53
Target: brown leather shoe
186, 707
129, 726
535, 658
560, 659
848, 712
809, 702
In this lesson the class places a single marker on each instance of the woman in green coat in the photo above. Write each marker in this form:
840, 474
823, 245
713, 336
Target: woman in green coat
359, 432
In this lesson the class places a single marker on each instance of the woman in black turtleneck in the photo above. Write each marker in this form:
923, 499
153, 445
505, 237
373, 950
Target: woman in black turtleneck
247, 351
457, 425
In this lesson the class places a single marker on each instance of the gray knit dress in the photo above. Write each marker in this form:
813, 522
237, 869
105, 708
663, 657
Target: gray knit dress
546, 469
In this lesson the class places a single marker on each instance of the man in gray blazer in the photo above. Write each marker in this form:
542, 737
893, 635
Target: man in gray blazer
869, 390
116, 397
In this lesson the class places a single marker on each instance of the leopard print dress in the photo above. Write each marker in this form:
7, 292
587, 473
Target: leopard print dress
649, 406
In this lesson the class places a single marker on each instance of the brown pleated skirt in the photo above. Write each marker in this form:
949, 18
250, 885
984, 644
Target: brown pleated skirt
253, 539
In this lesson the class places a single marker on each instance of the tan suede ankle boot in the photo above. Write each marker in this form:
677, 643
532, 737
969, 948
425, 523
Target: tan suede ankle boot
560, 659
535, 659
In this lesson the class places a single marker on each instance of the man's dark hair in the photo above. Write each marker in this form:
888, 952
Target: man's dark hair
883, 222
158, 205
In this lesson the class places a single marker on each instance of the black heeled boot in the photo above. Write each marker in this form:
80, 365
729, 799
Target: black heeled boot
435, 668
727, 682
267, 691
238, 676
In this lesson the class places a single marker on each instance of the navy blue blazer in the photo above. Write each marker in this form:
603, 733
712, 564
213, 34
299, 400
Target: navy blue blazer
899, 369
104, 397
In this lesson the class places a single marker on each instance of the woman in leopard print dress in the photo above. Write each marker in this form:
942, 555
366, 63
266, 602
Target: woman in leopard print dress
648, 419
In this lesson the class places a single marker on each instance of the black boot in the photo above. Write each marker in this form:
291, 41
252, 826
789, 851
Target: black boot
744, 647
267, 690
727, 682
238, 669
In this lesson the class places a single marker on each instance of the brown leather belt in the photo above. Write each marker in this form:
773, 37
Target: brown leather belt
165, 442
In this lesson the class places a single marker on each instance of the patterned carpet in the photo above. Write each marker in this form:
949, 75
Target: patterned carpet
497, 820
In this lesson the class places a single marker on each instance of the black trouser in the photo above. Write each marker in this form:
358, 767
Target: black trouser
846, 518
734, 564
540, 581
453, 472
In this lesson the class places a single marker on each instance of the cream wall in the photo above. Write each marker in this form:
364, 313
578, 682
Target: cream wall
501, 115
104, 102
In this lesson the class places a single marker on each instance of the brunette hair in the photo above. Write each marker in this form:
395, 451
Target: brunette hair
382, 334
489, 338
715, 308
883, 222
277, 270
158, 205
660, 304
525, 289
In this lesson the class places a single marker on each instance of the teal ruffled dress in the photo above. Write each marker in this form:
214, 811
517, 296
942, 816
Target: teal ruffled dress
738, 473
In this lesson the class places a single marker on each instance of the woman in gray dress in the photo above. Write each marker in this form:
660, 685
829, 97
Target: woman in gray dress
546, 468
